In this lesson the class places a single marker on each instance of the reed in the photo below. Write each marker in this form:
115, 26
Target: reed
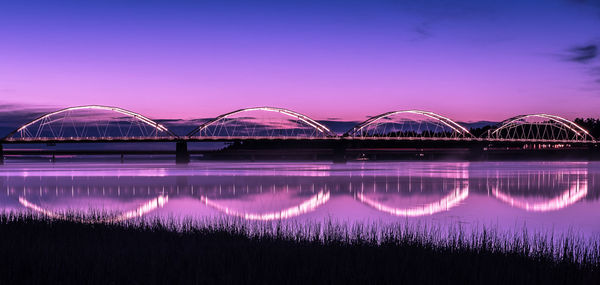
75, 249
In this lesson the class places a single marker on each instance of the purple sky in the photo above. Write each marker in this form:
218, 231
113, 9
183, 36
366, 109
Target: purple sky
469, 60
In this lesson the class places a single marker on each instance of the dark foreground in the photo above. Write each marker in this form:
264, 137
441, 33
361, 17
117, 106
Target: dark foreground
36, 250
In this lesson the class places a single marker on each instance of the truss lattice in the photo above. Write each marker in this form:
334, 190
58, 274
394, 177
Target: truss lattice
409, 124
261, 123
90, 123
540, 128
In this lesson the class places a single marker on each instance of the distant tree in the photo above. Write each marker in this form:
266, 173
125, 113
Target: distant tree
478, 132
591, 125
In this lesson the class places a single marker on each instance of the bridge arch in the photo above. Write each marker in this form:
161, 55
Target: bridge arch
92, 129
540, 128
227, 125
420, 125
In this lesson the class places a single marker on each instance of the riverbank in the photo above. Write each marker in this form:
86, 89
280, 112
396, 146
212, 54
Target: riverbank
37, 250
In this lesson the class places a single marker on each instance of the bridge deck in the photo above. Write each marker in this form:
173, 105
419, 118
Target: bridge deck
266, 138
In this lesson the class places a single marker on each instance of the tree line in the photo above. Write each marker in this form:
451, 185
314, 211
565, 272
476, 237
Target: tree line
592, 125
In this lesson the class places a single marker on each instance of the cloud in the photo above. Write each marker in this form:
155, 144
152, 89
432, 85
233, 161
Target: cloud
583, 54
595, 72
13, 116
423, 31
433, 14
587, 56
11, 113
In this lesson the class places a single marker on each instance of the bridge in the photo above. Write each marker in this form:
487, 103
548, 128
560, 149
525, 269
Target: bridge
270, 126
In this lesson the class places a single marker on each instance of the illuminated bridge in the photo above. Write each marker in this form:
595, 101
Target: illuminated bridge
274, 129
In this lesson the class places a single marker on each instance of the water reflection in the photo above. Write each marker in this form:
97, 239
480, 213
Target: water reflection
294, 211
140, 211
453, 199
574, 180
454, 183
465, 192
576, 193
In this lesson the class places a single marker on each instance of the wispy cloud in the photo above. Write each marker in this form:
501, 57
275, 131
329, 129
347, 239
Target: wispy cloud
587, 56
13, 116
583, 54
7, 90
423, 30
16, 113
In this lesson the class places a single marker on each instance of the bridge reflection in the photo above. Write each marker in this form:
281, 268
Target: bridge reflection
577, 189
246, 195
449, 201
305, 207
138, 212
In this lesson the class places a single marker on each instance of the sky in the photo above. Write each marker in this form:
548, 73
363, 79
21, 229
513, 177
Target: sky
346, 60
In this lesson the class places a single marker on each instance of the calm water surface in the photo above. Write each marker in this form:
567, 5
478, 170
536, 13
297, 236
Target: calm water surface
542, 196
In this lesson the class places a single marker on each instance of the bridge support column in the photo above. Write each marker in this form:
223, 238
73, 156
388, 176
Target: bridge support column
339, 154
477, 153
182, 156
1, 155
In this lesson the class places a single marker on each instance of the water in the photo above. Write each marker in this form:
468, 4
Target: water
556, 197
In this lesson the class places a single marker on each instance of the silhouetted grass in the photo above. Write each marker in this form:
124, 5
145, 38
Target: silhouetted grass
39, 250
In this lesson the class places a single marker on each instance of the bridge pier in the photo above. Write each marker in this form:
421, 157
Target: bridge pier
339, 154
182, 156
477, 153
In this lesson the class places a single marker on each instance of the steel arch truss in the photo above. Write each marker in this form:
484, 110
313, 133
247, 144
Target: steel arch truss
262, 123
409, 124
90, 123
540, 128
